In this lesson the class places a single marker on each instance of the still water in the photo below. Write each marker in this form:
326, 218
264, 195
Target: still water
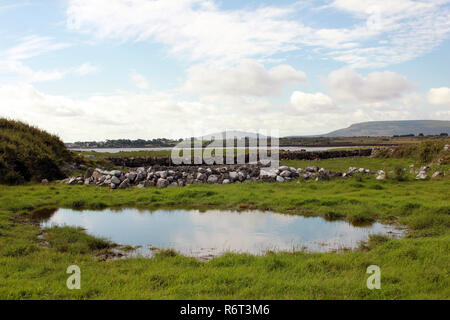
213, 232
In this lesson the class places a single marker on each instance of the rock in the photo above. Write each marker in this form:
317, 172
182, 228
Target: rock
44, 182
437, 174
115, 180
280, 179
173, 184
87, 182
213, 178
162, 183
72, 181
97, 174
307, 175
312, 169
226, 181
112, 186
267, 175
140, 177
285, 173
381, 175
223, 170
283, 168
149, 184
89, 172
201, 176
132, 176
351, 170
233, 176
116, 173
125, 184
447, 147
162, 174
422, 176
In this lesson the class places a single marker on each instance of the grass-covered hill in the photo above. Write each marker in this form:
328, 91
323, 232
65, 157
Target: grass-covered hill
29, 154
391, 128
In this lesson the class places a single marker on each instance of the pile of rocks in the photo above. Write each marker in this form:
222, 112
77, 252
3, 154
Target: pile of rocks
422, 173
162, 177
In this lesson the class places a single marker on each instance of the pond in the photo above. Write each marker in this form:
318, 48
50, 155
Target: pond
213, 232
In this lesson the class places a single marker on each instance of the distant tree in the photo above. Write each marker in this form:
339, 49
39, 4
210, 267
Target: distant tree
444, 134
420, 134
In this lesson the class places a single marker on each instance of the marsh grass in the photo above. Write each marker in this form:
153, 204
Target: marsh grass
413, 267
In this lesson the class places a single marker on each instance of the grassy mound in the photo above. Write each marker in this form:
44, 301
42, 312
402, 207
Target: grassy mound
28, 153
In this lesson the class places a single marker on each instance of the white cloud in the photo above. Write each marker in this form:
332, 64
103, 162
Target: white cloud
348, 86
248, 78
86, 69
17, 68
139, 80
396, 31
386, 32
195, 28
11, 61
32, 46
158, 114
312, 102
439, 96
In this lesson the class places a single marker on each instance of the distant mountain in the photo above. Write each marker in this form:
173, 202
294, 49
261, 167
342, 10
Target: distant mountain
235, 133
391, 128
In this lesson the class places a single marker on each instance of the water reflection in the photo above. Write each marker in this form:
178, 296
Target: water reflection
213, 232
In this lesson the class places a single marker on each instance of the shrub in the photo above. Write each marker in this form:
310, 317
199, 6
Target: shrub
400, 174
27, 153
424, 152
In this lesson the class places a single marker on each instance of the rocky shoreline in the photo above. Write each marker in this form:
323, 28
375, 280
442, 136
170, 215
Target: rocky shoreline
179, 176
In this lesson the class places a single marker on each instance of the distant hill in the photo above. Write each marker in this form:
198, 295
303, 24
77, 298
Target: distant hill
391, 128
235, 133
28, 153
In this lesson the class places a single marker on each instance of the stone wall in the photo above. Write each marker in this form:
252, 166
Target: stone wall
135, 162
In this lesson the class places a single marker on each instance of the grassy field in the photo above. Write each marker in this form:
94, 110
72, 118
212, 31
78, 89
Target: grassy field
416, 266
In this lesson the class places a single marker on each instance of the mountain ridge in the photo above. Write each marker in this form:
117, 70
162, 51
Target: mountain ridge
391, 128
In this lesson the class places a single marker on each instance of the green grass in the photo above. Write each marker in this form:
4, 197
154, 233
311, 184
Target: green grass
125, 154
30, 154
342, 164
415, 267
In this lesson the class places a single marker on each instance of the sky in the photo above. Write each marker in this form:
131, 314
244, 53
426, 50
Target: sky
108, 69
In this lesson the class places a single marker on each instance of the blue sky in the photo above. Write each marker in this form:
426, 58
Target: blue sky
93, 70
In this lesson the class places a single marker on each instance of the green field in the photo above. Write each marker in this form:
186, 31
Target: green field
415, 267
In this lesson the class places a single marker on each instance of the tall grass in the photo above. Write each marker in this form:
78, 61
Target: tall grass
424, 152
28, 153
